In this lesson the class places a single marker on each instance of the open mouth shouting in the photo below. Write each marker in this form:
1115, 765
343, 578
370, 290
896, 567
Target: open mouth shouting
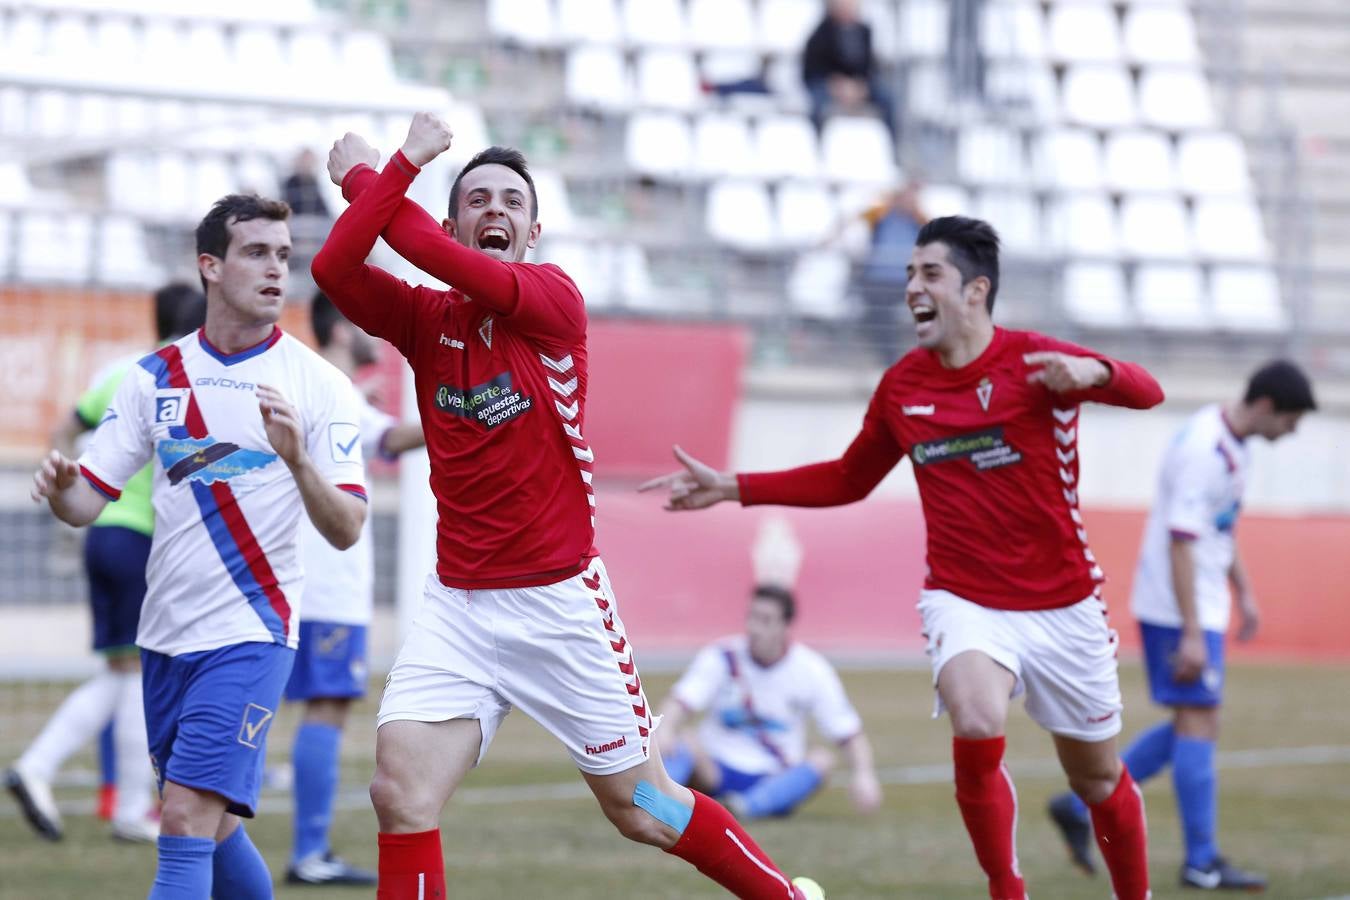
271, 292
494, 237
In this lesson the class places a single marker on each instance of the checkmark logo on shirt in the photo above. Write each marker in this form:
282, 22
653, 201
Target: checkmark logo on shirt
344, 439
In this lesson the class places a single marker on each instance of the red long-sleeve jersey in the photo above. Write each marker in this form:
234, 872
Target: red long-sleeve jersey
996, 461
499, 364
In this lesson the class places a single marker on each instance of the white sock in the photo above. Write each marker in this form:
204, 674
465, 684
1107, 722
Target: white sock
135, 777
75, 723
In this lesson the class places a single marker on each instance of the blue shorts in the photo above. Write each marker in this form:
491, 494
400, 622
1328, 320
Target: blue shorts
1160, 648
331, 662
734, 781
207, 715
114, 559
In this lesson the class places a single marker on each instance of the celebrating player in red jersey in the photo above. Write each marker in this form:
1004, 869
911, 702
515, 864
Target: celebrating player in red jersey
989, 419
520, 611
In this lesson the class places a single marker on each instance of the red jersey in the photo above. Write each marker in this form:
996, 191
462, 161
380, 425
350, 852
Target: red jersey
996, 461
500, 372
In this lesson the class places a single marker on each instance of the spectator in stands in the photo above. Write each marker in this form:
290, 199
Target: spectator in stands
758, 689
839, 68
301, 189
893, 223
115, 553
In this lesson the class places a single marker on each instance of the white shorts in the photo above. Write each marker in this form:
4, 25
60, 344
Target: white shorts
558, 652
1063, 659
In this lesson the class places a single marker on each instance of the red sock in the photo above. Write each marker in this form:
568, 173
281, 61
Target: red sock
1122, 834
984, 791
716, 845
411, 867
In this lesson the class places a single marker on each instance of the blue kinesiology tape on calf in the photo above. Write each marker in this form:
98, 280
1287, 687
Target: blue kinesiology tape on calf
664, 809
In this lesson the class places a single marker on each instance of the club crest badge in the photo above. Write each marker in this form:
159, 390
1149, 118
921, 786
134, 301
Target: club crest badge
485, 331
984, 391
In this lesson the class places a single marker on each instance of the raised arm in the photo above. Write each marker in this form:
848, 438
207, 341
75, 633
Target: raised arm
539, 299
1085, 376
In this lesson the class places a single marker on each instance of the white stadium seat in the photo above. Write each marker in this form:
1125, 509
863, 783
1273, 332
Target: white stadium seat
784, 25
1175, 99
1247, 298
55, 247
927, 89
944, 200
805, 213
1068, 158
1154, 228
786, 146
721, 24
1023, 86
991, 154
529, 23
660, 145
886, 37
739, 214
1083, 32
818, 285
1139, 161
1213, 164
1015, 215
1161, 34
1230, 228
588, 21
1012, 29
1084, 225
555, 206
587, 266
635, 287
923, 29
596, 77
668, 79
655, 23
123, 258
854, 148
1169, 297
6, 245
1098, 96
1094, 294
365, 57
723, 146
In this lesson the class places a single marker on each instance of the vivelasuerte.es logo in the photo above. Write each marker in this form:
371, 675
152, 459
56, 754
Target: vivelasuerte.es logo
986, 449
489, 404
594, 749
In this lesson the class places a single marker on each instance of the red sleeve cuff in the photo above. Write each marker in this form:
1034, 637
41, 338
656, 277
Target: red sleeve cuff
356, 181
1178, 535
402, 162
100, 485
743, 487
355, 490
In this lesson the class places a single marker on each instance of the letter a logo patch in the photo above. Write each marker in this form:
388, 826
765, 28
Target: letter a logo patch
984, 392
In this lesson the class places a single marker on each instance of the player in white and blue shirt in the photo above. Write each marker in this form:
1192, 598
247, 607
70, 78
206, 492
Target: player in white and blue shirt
755, 692
330, 668
248, 431
1182, 599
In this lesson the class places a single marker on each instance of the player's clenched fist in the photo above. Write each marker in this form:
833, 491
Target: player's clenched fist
350, 151
1062, 372
428, 137
56, 474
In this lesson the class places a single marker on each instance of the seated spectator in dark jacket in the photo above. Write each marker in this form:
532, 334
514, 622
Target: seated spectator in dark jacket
301, 188
839, 67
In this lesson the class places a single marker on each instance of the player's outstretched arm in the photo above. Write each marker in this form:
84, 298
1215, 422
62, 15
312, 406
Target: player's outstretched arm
71, 498
336, 514
401, 438
698, 486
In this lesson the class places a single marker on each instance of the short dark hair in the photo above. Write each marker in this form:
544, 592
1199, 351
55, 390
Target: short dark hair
780, 595
213, 233
1285, 384
178, 308
972, 245
323, 315
510, 157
